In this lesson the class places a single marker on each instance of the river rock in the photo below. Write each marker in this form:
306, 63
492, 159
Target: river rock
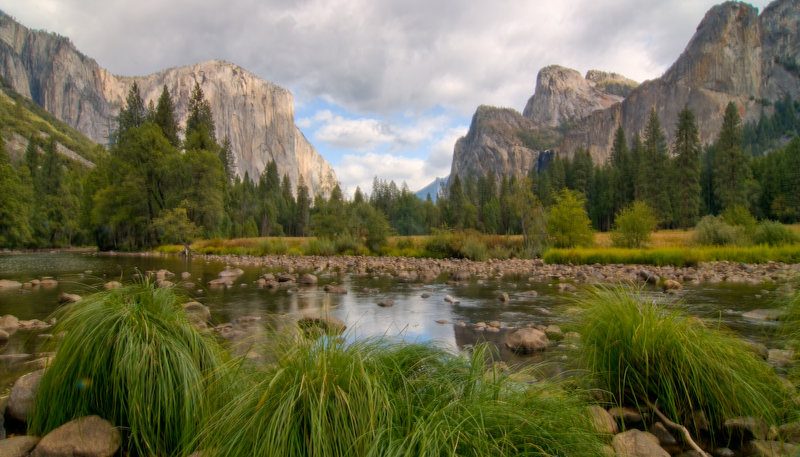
425, 295
48, 283
68, 298
665, 438
111, 285
308, 279
527, 340
636, 443
450, 299
764, 314
503, 297
3, 337
313, 323
8, 284
627, 415
9, 324
780, 357
671, 285
33, 325
759, 448
648, 276
23, 392
460, 275
197, 311
335, 289
386, 303
530, 293
747, 428
164, 274
222, 282
17, 446
601, 421
89, 436
565, 287
554, 332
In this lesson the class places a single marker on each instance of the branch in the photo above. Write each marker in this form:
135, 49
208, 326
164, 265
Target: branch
675, 426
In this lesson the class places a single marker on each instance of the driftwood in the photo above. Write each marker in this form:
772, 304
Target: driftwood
675, 426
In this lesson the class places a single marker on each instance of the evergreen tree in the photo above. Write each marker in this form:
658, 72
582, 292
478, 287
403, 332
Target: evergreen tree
14, 223
687, 192
227, 159
358, 197
200, 123
134, 114
637, 158
731, 170
302, 208
165, 118
655, 169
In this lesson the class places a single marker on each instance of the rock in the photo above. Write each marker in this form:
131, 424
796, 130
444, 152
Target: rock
636, 443
790, 432
722, 452
33, 325
48, 283
565, 287
425, 295
442, 322
335, 289
164, 274
671, 284
503, 297
164, 284
764, 314
554, 332
665, 438
450, 299
758, 448
89, 436
308, 279
495, 324
110, 285
530, 293
602, 422
186, 275
628, 416
68, 298
648, 276
460, 275
3, 337
17, 446
197, 311
9, 324
780, 357
286, 277
222, 282
23, 392
313, 323
8, 284
527, 340
747, 428
386, 303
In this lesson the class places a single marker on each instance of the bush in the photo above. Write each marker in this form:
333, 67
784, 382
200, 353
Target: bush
739, 216
326, 397
346, 244
642, 351
132, 357
715, 231
473, 249
320, 247
271, 247
634, 226
568, 224
774, 234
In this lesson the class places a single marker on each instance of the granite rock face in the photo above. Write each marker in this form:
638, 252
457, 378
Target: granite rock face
256, 115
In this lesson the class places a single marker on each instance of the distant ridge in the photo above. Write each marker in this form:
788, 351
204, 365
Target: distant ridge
432, 189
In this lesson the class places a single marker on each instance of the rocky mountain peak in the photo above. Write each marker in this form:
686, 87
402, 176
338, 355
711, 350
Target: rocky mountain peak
562, 95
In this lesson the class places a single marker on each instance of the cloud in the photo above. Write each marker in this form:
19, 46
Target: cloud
360, 170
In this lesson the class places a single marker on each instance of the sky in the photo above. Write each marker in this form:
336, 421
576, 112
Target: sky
382, 88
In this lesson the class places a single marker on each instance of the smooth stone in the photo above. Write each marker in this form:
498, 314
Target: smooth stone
503, 297
425, 295
335, 289
758, 448
671, 284
780, 357
90, 436
111, 285
527, 340
764, 314
197, 311
8, 284
747, 428
68, 298
386, 303
636, 443
530, 293
451, 300
23, 393
9, 323
626, 414
324, 323
17, 446
601, 421
308, 279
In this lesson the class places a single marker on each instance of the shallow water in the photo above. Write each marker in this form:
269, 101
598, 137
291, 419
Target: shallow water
412, 317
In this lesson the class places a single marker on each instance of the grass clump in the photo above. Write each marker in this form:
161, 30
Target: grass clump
132, 357
326, 397
774, 234
715, 231
641, 350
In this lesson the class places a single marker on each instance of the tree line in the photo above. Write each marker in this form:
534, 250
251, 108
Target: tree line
152, 187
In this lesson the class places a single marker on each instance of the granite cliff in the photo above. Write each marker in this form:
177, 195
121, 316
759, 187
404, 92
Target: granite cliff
256, 115
736, 55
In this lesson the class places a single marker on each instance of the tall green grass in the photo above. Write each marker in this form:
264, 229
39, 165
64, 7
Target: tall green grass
675, 256
641, 349
373, 398
131, 356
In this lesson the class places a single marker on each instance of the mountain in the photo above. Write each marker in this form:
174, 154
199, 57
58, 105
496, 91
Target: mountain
431, 189
256, 115
736, 55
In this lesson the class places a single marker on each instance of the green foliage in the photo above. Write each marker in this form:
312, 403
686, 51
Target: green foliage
655, 170
319, 247
567, 222
329, 398
715, 231
14, 223
731, 172
686, 181
174, 227
674, 256
774, 234
643, 350
131, 356
539, 139
634, 226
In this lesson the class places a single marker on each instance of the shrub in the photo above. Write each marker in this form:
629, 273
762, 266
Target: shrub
270, 246
634, 226
346, 244
774, 234
473, 249
568, 224
131, 356
715, 231
642, 351
321, 247
739, 216
326, 397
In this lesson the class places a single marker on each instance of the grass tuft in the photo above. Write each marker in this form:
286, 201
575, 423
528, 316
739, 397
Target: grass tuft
131, 356
374, 398
641, 349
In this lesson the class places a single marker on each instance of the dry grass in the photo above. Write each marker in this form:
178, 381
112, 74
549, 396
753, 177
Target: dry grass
659, 239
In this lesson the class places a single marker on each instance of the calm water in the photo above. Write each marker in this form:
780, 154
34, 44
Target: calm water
412, 317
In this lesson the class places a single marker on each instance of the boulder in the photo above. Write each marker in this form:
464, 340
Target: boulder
554, 332
8, 284
780, 357
636, 443
17, 446
48, 283
450, 299
759, 448
197, 311
23, 392
790, 432
315, 323
503, 297
9, 324
648, 276
764, 314
747, 428
89, 436
671, 285
460, 275
628, 416
111, 285
335, 289
530, 293
68, 298
665, 438
386, 303
527, 340
601, 421
308, 279
3, 337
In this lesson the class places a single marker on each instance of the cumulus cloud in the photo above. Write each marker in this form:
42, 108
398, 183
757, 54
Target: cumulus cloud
380, 57
360, 170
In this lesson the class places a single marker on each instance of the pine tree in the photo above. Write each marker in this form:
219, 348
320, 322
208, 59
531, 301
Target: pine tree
637, 158
134, 114
655, 169
227, 159
302, 209
165, 118
731, 170
687, 191
14, 224
200, 123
